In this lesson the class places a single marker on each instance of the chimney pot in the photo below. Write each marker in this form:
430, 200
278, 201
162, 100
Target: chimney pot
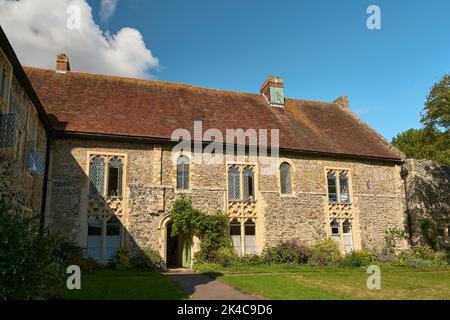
343, 102
272, 90
62, 63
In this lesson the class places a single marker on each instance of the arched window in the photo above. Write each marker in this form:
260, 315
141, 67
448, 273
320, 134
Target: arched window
97, 176
285, 178
343, 183
332, 189
249, 184
234, 186
115, 169
183, 173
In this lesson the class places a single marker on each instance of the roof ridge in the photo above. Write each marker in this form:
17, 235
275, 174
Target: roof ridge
162, 82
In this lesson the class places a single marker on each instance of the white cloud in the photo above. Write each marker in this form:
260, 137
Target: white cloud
107, 9
38, 32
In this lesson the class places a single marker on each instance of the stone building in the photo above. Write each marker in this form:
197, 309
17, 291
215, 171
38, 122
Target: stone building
23, 136
427, 186
115, 169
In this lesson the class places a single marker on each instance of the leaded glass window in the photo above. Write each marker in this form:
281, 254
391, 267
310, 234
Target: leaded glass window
97, 176
249, 184
332, 189
183, 173
234, 186
115, 169
285, 178
343, 183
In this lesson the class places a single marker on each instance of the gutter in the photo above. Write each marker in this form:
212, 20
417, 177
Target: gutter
165, 141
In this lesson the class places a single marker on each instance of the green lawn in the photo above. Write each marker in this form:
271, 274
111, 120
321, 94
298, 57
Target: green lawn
305, 282
130, 285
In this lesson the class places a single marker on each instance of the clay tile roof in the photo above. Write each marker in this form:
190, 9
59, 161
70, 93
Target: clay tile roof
90, 103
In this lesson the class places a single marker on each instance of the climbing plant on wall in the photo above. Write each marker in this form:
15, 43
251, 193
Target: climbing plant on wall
211, 229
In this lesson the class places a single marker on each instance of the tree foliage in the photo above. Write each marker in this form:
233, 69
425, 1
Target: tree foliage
437, 106
424, 144
30, 262
433, 140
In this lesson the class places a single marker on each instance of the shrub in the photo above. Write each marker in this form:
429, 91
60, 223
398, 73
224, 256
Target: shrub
325, 252
227, 257
429, 233
252, 260
286, 252
120, 260
87, 265
420, 257
29, 263
71, 254
356, 259
147, 259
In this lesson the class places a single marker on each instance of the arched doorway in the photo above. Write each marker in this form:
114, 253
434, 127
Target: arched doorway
178, 251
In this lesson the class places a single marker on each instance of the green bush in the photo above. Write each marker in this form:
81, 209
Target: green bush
356, 259
252, 260
420, 257
120, 260
147, 259
290, 251
227, 257
71, 254
29, 263
325, 253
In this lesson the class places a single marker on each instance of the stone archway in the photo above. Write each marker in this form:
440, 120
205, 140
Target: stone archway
172, 249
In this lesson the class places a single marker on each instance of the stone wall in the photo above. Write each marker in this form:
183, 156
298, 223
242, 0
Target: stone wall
377, 195
428, 197
17, 185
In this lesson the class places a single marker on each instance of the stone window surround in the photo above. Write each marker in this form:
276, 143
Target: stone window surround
180, 161
241, 166
242, 224
4, 104
293, 180
339, 207
337, 171
340, 225
174, 158
242, 210
122, 201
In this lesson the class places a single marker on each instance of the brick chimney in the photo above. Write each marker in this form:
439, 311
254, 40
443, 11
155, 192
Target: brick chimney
343, 102
62, 63
272, 89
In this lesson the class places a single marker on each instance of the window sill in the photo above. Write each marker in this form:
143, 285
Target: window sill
287, 195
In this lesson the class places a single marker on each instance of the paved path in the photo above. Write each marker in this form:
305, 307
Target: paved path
201, 287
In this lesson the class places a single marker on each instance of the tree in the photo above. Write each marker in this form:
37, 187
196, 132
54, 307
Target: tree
424, 144
433, 140
437, 106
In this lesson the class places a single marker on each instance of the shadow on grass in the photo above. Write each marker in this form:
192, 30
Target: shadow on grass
109, 284
189, 281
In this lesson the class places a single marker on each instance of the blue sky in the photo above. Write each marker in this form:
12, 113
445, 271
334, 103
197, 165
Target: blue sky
322, 49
